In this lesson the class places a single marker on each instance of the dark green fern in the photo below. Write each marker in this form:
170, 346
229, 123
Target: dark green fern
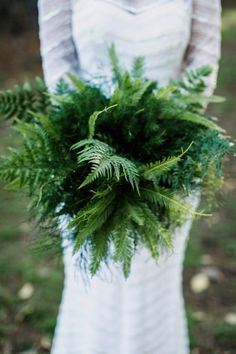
22, 100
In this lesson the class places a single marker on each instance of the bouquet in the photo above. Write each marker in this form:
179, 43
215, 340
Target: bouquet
118, 165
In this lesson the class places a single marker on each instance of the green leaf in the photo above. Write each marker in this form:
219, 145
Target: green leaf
158, 196
137, 70
93, 216
59, 99
197, 119
15, 184
148, 230
135, 212
202, 99
153, 170
106, 164
79, 84
18, 101
145, 87
93, 118
124, 247
51, 128
99, 251
165, 92
116, 68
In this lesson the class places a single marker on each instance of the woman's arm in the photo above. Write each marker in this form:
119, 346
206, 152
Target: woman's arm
57, 47
205, 42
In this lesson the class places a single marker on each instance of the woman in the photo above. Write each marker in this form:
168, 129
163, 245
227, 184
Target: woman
144, 314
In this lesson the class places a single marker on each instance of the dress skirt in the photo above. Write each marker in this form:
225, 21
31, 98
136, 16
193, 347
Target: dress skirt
108, 314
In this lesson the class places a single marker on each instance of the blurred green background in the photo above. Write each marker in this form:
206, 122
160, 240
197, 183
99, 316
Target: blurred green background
31, 281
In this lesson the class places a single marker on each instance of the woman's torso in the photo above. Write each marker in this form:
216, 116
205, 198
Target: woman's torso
159, 30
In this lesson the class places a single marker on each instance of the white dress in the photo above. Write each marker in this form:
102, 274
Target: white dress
144, 314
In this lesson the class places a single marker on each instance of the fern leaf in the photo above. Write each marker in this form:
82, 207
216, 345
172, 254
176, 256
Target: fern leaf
153, 170
165, 236
158, 196
83, 142
197, 119
94, 151
22, 99
165, 92
110, 167
193, 81
153, 232
47, 124
152, 244
124, 247
90, 219
145, 87
106, 164
99, 251
151, 241
202, 99
116, 68
93, 118
135, 212
137, 70
58, 99
162, 197
14, 184
79, 84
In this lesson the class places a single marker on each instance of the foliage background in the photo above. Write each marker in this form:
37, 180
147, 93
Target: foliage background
31, 282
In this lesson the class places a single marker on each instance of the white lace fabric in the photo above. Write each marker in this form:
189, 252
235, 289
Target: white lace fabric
145, 314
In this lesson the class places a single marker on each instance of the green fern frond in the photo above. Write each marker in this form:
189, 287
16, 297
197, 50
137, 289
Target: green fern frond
47, 125
84, 142
150, 239
158, 196
155, 233
140, 91
19, 171
150, 229
124, 247
193, 81
201, 99
98, 251
22, 99
116, 68
58, 99
79, 84
106, 164
162, 197
197, 119
153, 170
38, 136
165, 92
94, 151
92, 217
137, 70
135, 212
113, 166
93, 118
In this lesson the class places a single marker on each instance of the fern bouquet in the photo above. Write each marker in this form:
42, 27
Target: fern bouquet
118, 165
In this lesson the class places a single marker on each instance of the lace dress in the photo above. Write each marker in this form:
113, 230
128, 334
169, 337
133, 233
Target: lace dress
144, 314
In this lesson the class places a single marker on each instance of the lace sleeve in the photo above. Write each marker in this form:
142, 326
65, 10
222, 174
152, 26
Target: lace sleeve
205, 43
57, 47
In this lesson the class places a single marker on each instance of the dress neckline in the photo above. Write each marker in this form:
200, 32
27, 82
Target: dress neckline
132, 8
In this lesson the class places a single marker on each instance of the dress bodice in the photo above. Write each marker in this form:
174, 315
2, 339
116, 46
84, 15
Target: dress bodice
157, 30
172, 35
